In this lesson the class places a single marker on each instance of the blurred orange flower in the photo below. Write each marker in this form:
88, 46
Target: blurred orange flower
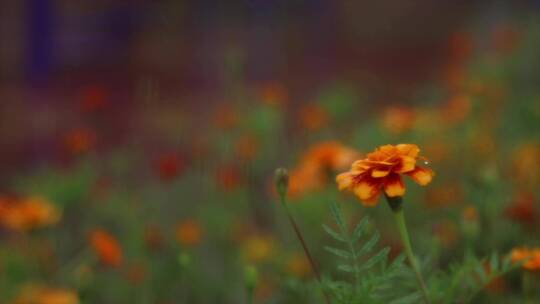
398, 119
298, 265
274, 94
313, 117
470, 213
189, 233
225, 117
79, 141
27, 213
228, 177
106, 247
456, 109
444, 195
446, 232
505, 39
153, 237
317, 164
37, 294
246, 147
530, 257
382, 170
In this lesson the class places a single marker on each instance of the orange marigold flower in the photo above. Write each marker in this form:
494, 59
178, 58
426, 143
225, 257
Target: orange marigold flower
37, 294
106, 247
188, 233
530, 257
28, 213
381, 171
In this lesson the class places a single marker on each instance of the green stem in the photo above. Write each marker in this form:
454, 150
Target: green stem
400, 220
304, 247
528, 287
250, 295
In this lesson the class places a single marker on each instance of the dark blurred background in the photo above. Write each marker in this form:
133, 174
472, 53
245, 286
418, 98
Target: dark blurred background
183, 56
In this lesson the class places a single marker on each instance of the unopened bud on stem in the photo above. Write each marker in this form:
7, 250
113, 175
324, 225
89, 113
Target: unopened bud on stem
281, 180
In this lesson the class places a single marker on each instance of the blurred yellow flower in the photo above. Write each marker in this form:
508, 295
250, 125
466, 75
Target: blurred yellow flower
189, 233
530, 257
524, 158
36, 294
258, 248
27, 213
382, 170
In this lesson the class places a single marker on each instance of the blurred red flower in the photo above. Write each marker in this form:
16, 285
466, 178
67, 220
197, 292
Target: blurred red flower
170, 166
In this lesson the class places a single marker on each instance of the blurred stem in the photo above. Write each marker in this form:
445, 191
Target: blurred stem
304, 246
528, 287
250, 295
402, 227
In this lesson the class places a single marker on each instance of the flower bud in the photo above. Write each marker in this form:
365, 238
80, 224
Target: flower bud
251, 276
184, 260
281, 180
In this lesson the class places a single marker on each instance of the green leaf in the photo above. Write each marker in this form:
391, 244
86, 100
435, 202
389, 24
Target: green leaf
398, 261
334, 234
383, 254
494, 263
368, 246
479, 270
346, 268
412, 298
360, 229
341, 253
338, 216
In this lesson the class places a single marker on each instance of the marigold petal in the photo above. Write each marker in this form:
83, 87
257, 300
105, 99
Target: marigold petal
407, 164
408, 149
393, 186
380, 172
360, 166
372, 201
422, 176
366, 188
344, 180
